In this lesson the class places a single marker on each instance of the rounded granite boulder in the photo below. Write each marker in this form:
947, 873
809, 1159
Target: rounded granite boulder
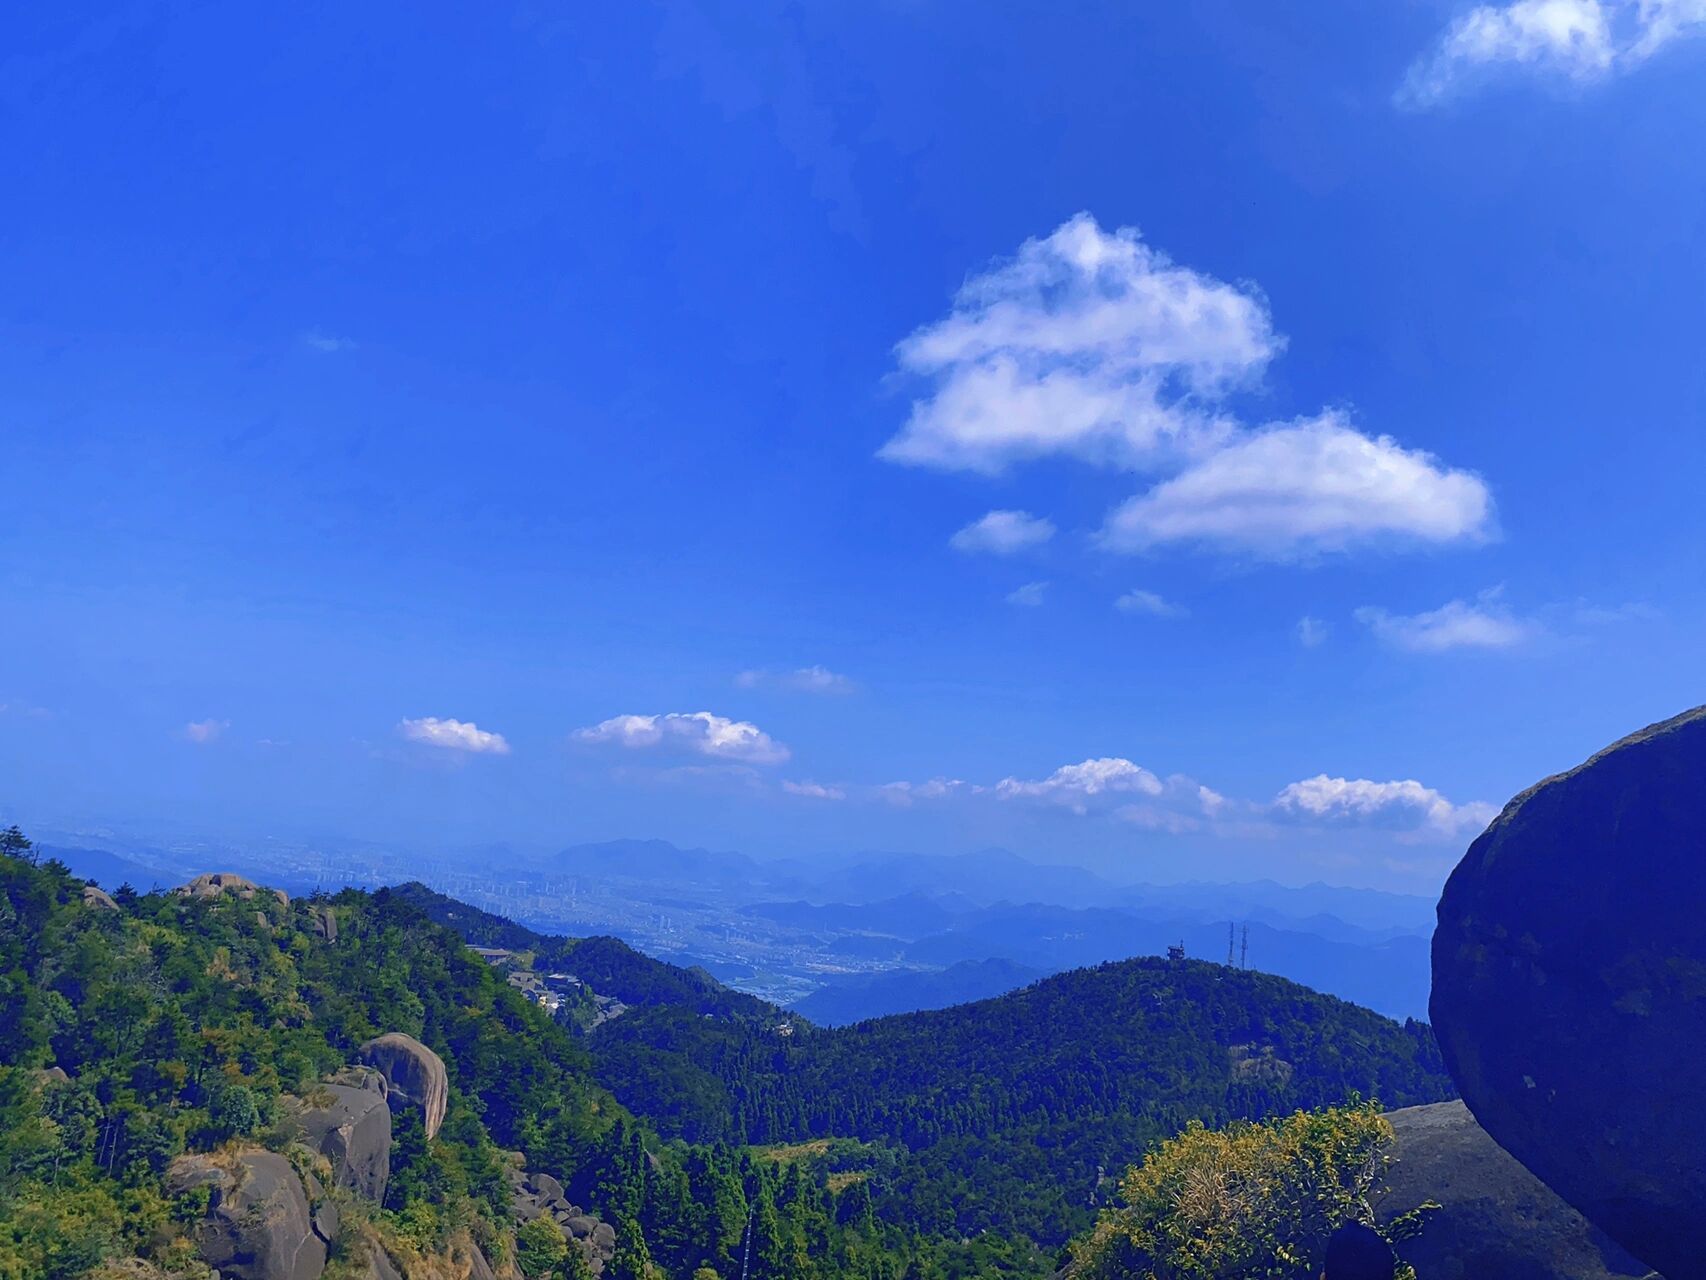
259, 1225
351, 1127
413, 1074
1569, 988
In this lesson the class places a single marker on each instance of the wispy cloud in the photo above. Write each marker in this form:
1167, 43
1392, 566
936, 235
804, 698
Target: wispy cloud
812, 679
814, 790
1401, 804
1484, 623
1149, 604
699, 732
1028, 596
326, 343
1575, 41
203, 732
1312, 633
453, 735
1094, 346
1003, 533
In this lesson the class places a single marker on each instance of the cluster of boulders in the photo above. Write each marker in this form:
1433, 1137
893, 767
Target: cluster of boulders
218, 883
540, 1195
1569, 992
265, 1221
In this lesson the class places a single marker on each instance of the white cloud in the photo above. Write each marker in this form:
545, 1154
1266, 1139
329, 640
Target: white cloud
1576, 40
1312, 632
1092, 345
1075, 784
814, 790
202, 732
1149, 604
1028, 596
698, 731
1354, 801
1003, 533
326, 343
1305, 488
906, 793
1459, 624
1087, 343
453, 735
801, 680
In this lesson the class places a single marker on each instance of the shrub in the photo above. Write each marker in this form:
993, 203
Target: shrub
1247, 1201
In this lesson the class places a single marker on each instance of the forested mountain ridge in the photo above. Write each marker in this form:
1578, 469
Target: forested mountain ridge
1012, 1110
609, 965
158, 1054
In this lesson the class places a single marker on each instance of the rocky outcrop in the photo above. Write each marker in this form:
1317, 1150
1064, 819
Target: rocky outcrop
351, 1127
258, 1224
216, 883
536, 1195
97, 897
1569, 990
1495, 1217
414, 1075
323, 922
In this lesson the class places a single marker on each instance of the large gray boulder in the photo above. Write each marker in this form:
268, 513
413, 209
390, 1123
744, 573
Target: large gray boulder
1569, 990
413, 1073
351, 1127
258, 1225
1495, 1217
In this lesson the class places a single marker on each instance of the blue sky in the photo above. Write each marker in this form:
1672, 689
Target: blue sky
1196, 441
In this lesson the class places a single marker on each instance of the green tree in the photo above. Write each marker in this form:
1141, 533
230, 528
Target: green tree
633, 1260
1251, 1200
540, 1248
15, 844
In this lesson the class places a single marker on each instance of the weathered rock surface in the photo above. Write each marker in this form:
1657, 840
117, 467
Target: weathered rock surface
604, 1240
257, 1225
97, 897
323, 921
351, 1127
1495, 1217
1570, 987
413, 1073
215, 883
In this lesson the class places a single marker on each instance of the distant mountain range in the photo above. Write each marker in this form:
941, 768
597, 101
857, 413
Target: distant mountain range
855, 999
848, 937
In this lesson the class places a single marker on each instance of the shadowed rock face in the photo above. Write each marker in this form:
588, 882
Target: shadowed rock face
257, 1225
1495, 1217
1569, 988
353, 1130
413, 1074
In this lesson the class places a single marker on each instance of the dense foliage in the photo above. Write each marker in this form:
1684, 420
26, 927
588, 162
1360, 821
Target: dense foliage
134, 1031
1010, 1112
1252, 1202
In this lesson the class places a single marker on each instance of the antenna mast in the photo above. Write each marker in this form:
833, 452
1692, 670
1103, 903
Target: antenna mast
1244, 956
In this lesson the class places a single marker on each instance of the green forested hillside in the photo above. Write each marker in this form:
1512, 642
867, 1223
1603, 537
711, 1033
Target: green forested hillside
1011, 1113
140, 1028
1012, 1110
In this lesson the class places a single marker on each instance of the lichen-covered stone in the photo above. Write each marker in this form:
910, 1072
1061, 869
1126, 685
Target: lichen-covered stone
1569, 988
